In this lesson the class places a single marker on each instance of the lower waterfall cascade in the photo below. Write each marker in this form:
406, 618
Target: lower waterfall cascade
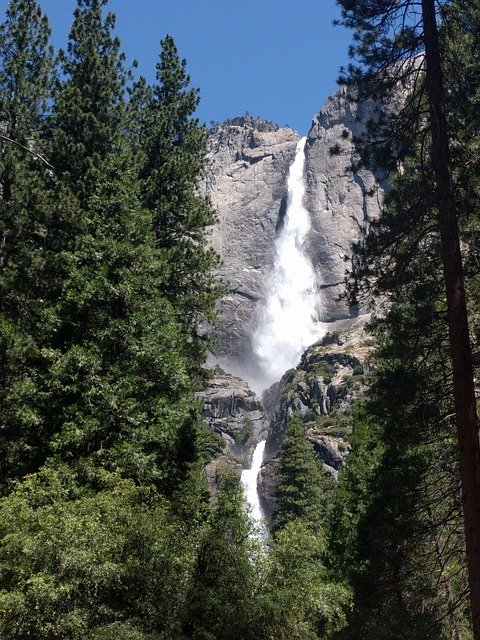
249, 481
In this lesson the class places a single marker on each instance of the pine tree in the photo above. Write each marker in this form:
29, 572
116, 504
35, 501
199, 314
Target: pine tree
117, 386
97, 391
25, 280
299, 599
108, 386
396, 530
399, 43
25, 83
301, 485
89, 100
172, 161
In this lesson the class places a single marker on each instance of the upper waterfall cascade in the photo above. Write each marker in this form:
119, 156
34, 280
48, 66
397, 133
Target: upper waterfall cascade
287, 322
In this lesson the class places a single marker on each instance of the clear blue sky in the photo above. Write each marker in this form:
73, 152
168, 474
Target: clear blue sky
277, 59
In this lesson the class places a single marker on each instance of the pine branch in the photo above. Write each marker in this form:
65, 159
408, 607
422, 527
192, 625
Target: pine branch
22, 146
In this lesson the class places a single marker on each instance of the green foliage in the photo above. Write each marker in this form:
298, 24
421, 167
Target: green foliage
107, 385
26, 284
301, 483
221, 601
335, 424
387, 54
300, 601
245, 433
88, 108
324, 369
76, 564
171, 146
25, 83
396, 523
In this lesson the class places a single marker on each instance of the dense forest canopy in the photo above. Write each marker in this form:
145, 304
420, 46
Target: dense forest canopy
107, 530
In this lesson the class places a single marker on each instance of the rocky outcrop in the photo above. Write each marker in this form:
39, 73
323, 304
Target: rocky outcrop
331, 375
233, 411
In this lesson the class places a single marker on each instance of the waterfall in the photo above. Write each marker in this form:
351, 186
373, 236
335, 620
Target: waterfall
249, 481
287, 322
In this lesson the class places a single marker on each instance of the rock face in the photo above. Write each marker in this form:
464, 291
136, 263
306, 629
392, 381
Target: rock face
340, 197
250, 159
235, 413
321, 391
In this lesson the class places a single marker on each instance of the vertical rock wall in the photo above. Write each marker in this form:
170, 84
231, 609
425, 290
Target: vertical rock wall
250, 159
341, 197
247, 185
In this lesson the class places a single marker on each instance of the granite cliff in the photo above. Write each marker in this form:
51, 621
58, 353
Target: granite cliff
246, 181
250, 160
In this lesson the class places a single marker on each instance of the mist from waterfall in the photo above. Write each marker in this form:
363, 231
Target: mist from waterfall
288, 320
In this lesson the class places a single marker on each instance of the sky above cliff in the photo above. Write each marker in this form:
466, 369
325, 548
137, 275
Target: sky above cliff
276, 60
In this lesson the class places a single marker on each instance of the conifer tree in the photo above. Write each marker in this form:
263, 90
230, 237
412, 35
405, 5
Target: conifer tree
118, 390
399, 43
299, 600
221, 604
301, 484
25, 84
25, 278
109, 386
97, 393
172, 161
396, 528
89, 100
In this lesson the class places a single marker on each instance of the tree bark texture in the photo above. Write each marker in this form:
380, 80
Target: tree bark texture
462, 367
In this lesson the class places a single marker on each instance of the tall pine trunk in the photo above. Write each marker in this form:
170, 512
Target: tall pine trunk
464, 393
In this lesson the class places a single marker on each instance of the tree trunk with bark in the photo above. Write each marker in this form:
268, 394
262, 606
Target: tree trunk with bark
462, 367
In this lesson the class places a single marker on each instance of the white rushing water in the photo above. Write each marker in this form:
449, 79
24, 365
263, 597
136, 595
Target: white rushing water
249, 481
288, 321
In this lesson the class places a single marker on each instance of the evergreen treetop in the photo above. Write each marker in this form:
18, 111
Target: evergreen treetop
88, 108
301, 483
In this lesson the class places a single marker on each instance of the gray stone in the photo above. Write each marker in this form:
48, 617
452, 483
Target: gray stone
341, 197
247, 183
233, 411
321, 391
249, 162
267, 486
